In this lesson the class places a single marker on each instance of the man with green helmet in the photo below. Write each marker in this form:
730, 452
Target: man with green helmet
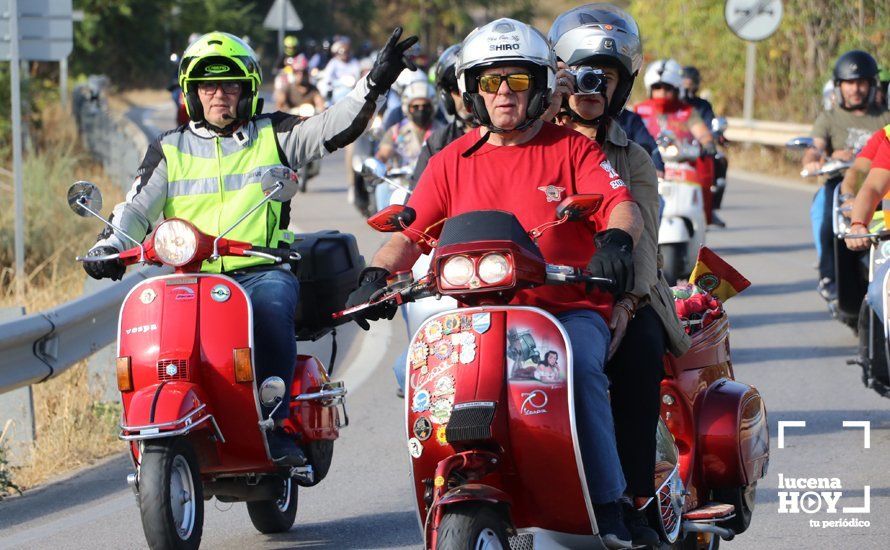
208, 172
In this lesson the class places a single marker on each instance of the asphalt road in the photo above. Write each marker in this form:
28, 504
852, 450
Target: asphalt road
783, 342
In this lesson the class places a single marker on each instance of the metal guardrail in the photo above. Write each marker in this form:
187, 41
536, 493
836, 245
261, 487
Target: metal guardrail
764, 132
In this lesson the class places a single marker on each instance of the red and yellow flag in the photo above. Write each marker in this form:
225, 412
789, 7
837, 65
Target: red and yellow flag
713, 275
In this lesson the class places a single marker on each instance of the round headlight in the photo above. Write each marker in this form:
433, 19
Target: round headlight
493, 268
457, 271
175, 242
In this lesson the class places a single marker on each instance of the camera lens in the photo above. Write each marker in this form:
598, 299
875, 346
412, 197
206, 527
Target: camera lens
589, 82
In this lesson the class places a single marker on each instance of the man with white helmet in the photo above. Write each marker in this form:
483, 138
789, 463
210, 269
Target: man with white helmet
401, 143
664, 110
521, 164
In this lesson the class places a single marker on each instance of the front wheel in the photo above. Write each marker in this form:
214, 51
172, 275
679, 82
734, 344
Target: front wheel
171, 497
674, 255
473, 527
276, 516
872, 347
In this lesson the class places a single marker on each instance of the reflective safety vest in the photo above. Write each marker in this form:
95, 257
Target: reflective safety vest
211, 182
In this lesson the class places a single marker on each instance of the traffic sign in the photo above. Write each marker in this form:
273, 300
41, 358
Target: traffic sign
282, 11
45, 29
753, 20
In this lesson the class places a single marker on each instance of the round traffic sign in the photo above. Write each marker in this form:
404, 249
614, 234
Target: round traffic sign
753, 20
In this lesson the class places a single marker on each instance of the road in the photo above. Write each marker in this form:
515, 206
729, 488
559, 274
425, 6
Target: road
783, 342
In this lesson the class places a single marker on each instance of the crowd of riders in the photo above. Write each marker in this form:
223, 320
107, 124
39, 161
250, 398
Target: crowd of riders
506, 107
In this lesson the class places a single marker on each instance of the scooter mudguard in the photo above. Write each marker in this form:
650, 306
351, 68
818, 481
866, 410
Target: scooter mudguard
312, 418
673, 229
186, 328
163, 403
733, 435
498, 378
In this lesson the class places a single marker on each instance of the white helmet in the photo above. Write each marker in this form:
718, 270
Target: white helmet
506, 42
419, 89
407, 76
665, 71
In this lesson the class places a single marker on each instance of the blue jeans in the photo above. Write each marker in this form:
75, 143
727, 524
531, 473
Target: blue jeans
274, 294
876, 290
596, 432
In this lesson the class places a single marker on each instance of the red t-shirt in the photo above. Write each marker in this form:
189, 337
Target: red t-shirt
872, 145
528, 180
882, 155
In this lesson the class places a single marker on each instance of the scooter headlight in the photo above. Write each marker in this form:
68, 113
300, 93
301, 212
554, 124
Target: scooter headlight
175, 242
457, 271
493, 268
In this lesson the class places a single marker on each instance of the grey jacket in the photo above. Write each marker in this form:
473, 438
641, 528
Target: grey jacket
300, 140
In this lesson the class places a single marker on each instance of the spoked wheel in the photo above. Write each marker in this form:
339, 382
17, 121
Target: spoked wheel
743, 499
171, 497
674, 255
276, 516
473, 527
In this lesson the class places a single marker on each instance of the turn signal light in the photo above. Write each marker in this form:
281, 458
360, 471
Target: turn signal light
124, 374
243, 366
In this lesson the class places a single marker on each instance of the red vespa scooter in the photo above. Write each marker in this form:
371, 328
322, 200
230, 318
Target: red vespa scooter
490, 421
191, 407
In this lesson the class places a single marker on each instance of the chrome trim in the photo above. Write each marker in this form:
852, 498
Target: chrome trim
164, 424
722, 532
160, 435
331, 393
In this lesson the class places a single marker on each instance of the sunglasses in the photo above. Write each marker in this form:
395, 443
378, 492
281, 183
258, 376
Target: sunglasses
229, 87
517, 82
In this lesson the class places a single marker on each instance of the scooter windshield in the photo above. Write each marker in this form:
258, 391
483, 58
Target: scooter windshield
487, 225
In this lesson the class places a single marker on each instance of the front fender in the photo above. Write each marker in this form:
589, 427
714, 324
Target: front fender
162, 403
474, 492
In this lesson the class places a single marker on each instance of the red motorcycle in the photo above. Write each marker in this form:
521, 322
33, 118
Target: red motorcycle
490, 423
186, 373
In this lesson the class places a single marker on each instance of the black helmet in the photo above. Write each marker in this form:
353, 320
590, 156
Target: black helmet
854, 65
446, 79
692, 74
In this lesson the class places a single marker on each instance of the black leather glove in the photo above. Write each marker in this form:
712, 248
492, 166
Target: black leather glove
391, 61
371, 282
106, 269
613, 259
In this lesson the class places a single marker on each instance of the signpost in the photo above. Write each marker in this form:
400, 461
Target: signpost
752, 21
283, 17
32, 30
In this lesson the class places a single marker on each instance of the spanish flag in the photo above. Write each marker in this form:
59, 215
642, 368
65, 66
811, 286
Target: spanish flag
716, 277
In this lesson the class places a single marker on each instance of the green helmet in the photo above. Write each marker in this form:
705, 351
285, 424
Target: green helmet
220, 56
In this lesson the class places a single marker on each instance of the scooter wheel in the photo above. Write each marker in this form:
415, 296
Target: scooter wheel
743, 500
674, 255
276, 516
472, 526
171, 496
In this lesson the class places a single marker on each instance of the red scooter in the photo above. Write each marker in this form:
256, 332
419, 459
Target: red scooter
490, 423
186, 373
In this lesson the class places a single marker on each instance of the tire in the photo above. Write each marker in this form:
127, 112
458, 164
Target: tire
674, 255
691, 542
276, 516
170, 467
473, 527
872, 367
743, 500
320, 454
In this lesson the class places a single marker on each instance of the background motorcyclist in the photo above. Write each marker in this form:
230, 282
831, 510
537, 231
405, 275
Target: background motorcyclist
221, 78
508, 89
341, 73
292, 86
689, 93
839, 133
664, 110
644, 324
291, 48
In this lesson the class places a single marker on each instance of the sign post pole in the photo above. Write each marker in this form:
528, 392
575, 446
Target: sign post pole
750, 70
63, 82
17, 151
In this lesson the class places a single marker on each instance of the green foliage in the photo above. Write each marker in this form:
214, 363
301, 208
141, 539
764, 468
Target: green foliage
792, 65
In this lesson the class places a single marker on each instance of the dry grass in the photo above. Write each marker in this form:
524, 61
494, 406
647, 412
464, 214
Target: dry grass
74, 428
775, 161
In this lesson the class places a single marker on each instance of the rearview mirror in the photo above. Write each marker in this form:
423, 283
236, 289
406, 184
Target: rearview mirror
272, 391
719, 125
84, 193
284, 176
800, 143
393, 218
578, 207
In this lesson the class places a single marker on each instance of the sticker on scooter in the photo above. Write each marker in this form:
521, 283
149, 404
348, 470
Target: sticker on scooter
421, 401
440, 436
423, 429
481, 322
444, 386
414, 447
220, 293
418, 355
534, 402
433, 332
443, 349
183, 293
440, 409
451, 323
147, 296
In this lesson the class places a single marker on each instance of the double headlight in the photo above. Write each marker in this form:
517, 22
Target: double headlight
472, 272
175, 242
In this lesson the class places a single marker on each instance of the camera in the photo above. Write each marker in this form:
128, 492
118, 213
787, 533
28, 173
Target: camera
589, 81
